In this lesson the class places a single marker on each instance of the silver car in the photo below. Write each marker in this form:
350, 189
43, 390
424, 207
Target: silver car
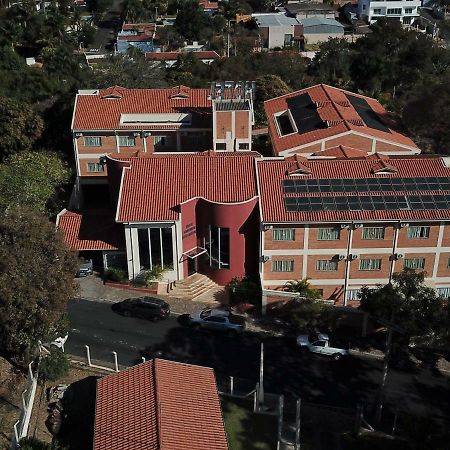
217, 320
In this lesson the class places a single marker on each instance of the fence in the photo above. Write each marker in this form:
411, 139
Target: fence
21, 426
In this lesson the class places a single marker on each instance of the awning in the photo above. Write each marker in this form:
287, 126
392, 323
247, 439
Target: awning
195, 252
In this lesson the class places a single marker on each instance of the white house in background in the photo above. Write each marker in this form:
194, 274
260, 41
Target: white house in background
407, 11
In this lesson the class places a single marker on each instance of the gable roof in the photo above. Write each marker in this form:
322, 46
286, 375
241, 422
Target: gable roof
152, 188
334, 114
91, 230
341, 151
273, 173
159, 405
102, 110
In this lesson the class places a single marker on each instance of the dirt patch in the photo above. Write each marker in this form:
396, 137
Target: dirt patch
12, 384
81, 401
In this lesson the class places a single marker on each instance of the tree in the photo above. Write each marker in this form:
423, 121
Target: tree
407, 302
302, 288
191, 21
31, 179
36, 281
20, 126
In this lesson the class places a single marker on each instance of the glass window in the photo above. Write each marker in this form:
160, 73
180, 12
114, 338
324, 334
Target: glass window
414, 263
244, 146
167, 247
448, 263
328, 234
219, 247
144, 249
408, 10
95, 167
93, 141
443, 292
353, 294
370, 264
283, 234
287, 39
326, 265
127, 141
221, 146
155, 246
282, 266
373, 233
377, 11
394, 11
418, 232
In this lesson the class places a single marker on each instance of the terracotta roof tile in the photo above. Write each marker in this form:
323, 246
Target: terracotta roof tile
102, 111
159, 405
271, 174
91, 230
341, 151
153, 187
333, 108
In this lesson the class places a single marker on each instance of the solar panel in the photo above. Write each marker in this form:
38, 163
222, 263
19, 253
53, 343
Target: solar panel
367, 203
368, 115
366, 185
304, 113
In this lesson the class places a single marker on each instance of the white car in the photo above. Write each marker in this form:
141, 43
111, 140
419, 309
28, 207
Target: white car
217, 320
320, 344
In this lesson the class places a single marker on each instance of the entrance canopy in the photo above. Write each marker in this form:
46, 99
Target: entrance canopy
195, 252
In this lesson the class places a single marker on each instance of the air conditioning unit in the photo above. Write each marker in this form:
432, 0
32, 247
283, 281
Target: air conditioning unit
352, 257
147, 134
136, 134
399, 256
403, 225
266, 258
341, 257
345, 225
78, 135
267, 227
358, 225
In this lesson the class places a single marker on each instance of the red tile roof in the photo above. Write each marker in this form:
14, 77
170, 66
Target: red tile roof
91, 230
205, 4
333, 107
102, 111
169, 56
138, 27
341, 151
153, 187
141, 37
271, 174
159, 405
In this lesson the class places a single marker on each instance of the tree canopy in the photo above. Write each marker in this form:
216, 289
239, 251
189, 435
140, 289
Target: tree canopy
36, 280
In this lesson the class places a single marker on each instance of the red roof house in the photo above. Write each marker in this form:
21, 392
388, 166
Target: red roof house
319, 117
159, 405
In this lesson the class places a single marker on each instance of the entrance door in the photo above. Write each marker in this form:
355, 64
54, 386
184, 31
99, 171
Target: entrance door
192, 266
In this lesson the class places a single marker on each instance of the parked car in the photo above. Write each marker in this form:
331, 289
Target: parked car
217, 320
320, 344
86, 268
150, 308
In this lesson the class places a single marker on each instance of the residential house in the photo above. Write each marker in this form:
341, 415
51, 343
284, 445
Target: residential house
305, 10
209, 7
322, 117
350, 222
170, 58
320, 29
407, 11
138, 35
159, 404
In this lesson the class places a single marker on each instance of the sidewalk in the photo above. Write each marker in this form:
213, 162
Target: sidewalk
92, 288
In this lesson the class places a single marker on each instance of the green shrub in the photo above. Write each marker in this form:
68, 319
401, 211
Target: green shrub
31, 443
244, 290
53, 366
152, 275
116, 275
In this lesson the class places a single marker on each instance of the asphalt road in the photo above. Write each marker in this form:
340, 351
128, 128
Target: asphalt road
107, 28
287, 370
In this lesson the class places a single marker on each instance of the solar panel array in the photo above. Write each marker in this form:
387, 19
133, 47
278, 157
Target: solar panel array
305, 114
366, 185
370, 117
368, 203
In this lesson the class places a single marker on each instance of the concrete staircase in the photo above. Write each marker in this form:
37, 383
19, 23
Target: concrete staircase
196, 287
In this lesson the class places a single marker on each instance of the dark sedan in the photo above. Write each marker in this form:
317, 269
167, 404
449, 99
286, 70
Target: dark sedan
149, 308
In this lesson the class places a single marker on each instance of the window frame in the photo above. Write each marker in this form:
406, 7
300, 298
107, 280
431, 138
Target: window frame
129, 139
100, 167
363, 260
330, 229
326, 265
421, 229
416, 259
367, 238
97, 138
283, 232
282, 265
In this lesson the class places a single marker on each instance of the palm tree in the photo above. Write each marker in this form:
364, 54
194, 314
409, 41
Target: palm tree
302, 288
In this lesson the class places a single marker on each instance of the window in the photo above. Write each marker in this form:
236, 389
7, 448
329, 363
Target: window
448, 263
160, 141
328, 234
283, 234
408, 10
92, 141
155, 248
418, 232
407, 20
443, 292
325, 265
287, 40
377, 11
284, 123
353, 294
221, 146
127, 141
244, 146
394, 11
282, 266
373, 233
370, 264
95, 167
414, 263
219, 247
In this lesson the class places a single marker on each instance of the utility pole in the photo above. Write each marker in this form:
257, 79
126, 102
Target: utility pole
261, 378
228, 39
